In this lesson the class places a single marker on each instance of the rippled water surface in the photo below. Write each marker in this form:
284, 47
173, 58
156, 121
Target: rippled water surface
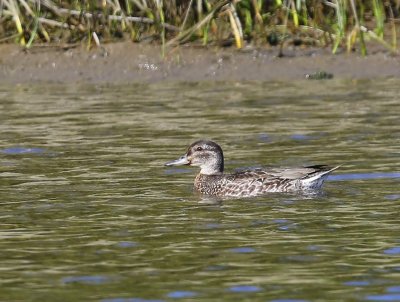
89, 212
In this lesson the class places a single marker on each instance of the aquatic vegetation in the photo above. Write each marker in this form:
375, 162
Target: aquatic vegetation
334, 23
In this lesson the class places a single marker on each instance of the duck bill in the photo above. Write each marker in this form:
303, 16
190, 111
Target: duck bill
183, 160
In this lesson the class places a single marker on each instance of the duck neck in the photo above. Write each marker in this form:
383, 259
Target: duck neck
213, 168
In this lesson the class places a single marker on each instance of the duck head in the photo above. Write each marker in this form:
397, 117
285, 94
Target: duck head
204, 154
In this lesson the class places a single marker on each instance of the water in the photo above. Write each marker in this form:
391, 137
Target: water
89, 213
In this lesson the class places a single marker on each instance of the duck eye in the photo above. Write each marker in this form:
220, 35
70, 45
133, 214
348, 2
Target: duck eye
199, 149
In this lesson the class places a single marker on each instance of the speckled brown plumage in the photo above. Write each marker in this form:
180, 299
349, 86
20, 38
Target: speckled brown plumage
211, 181
257, 182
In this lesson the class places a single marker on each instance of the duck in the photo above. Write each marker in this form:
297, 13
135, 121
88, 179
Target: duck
212, 180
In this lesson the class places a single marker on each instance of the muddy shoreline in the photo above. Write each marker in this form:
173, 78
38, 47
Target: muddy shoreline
126, 62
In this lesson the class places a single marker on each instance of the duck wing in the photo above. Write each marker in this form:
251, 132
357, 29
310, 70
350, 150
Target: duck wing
257, 181
285, 173
300, 172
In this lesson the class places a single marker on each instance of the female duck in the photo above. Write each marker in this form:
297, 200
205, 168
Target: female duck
212, 181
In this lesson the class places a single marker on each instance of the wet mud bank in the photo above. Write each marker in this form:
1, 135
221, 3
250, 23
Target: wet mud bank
125, 62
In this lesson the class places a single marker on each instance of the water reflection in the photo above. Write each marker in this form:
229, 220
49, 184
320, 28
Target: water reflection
86, 279
130, 300
244, 289
361, 176
181, 294
22, 150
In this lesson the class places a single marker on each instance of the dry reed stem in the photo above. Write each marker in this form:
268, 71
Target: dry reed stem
235, 25
185, 35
